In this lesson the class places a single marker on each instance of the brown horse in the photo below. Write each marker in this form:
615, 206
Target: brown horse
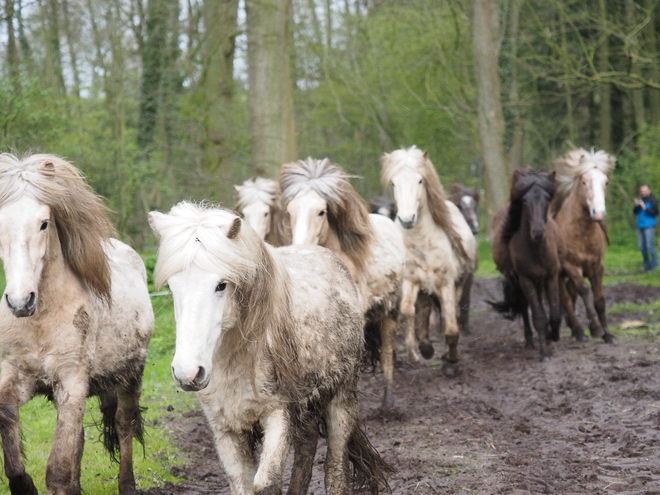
528, 249
579, 210
383, 206
467, 200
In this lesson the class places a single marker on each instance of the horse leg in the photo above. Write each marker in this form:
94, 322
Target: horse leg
529, 337
340, 419
304, 450
408, 299
552, 293
387, 338
128, 421
538, 313
464, 306
62, 475
275, 448
452, 336
584, 291
423, 308
237, 458
596, 279
568, 295
20, 483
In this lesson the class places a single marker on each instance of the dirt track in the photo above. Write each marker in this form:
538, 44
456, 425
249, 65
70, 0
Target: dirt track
588, 421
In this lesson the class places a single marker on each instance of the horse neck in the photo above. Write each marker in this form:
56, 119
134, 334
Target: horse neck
333, 244
576, 206
425, 222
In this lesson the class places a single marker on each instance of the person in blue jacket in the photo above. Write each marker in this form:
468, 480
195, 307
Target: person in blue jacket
646, 209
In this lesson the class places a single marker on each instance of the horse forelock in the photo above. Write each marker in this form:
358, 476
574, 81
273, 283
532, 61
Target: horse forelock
79, 214
415, 159
347, 211
259, 189
522, 183
575, 163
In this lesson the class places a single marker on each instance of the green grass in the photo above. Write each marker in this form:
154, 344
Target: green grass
99, 474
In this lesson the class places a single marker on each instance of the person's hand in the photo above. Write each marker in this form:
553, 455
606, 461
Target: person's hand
637, 201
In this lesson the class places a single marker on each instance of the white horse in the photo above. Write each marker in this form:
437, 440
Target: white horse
441, 252
271, 340
259, 201
75, 319
326, 210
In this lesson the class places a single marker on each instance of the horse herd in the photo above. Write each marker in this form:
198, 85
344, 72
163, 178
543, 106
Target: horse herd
276, 310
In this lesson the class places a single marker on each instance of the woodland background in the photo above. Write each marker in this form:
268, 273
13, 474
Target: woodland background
160, 100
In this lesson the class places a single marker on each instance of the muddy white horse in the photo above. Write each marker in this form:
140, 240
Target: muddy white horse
259, 201
579, 210
326, 210
75, 319
441, 252
271, 340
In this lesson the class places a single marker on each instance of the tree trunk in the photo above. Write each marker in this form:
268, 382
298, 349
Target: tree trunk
491, 121
53, 50
570, 118
637, 94
269, 75
515, 155
12, 49
71, 38
654, 94
220, 29
605, 88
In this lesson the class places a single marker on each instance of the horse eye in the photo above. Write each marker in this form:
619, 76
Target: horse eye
322, 213
584, 183
607, 182
265, 214
420, 181
392, 184
221, 287
44, 225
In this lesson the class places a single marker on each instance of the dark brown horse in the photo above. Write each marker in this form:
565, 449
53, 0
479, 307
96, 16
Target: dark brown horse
528, 249
467, 200
383, 206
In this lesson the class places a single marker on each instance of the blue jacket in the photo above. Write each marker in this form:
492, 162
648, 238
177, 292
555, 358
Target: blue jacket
647, 218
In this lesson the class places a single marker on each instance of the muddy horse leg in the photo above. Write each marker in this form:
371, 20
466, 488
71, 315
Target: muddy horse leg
128, 421
552, 293
237, 458
304, 450
275, 449
567, 296
62, 474
538, 313
584, 291
423, 308
340, 419
408, 299
452, 336
596, 279
529, 337
464, 306
20, 482
387, 339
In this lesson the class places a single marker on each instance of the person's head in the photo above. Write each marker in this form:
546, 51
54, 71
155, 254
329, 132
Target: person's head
645, 190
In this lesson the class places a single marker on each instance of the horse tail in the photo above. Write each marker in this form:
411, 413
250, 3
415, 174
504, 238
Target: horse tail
514, 303
368, 469
109, 405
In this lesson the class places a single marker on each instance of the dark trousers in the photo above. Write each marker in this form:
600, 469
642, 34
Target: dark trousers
646, 243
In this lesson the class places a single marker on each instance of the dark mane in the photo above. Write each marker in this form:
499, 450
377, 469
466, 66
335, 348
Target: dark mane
522, 182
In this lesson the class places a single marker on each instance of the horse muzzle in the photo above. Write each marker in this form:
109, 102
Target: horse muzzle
194, 382
407, 223
24, 307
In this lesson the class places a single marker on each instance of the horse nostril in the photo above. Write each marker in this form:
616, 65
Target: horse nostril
201, 376
32, 300
8, 303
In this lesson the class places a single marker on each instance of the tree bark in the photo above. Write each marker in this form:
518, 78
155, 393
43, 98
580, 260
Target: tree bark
53, 49
71, 38
12, 49
605, 89
651, 43
637, 94
269, 75
515, 155
491, 120
220, 29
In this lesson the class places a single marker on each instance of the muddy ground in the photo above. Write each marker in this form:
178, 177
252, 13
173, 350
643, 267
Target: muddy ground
587, 421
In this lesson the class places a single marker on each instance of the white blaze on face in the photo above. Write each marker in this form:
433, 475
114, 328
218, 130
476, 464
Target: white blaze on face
200, 309
595, 183
257, 216
24, 227
309, 218
407, 187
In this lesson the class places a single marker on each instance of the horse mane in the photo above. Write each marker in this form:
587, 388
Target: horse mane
267, 191
571, 166
212, 239
347, 211
456, 193
79, 214
413, 158
521, 183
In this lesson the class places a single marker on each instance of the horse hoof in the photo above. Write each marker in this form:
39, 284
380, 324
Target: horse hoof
449, 370
581, 338
388, 404
610, 339
413, 356
545, 359
23, 484
426, 348
596, 332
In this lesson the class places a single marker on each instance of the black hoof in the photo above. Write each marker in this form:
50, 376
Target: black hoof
22, 485
545, 359
529, 345
449, 370
426, 348
581, 338
610, 339
270, 490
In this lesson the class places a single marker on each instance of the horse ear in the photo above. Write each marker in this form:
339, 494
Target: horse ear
553, 174
426, 154
238, 188
234, 228
156, 219
49, 168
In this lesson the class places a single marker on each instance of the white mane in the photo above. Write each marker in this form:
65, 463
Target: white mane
577, 162
260, 189
318, 175
393, 163
197, 234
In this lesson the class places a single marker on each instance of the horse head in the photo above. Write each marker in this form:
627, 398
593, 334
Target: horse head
256, 201
467, 201
533, 192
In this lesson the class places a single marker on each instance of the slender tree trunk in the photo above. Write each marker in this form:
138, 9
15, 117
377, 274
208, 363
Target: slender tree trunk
570, 118
53, 50
22, 38
12, 49
269, 75
605, 89
220, 29
71, 38
515, 155
654, 94
491, 121
637, 94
